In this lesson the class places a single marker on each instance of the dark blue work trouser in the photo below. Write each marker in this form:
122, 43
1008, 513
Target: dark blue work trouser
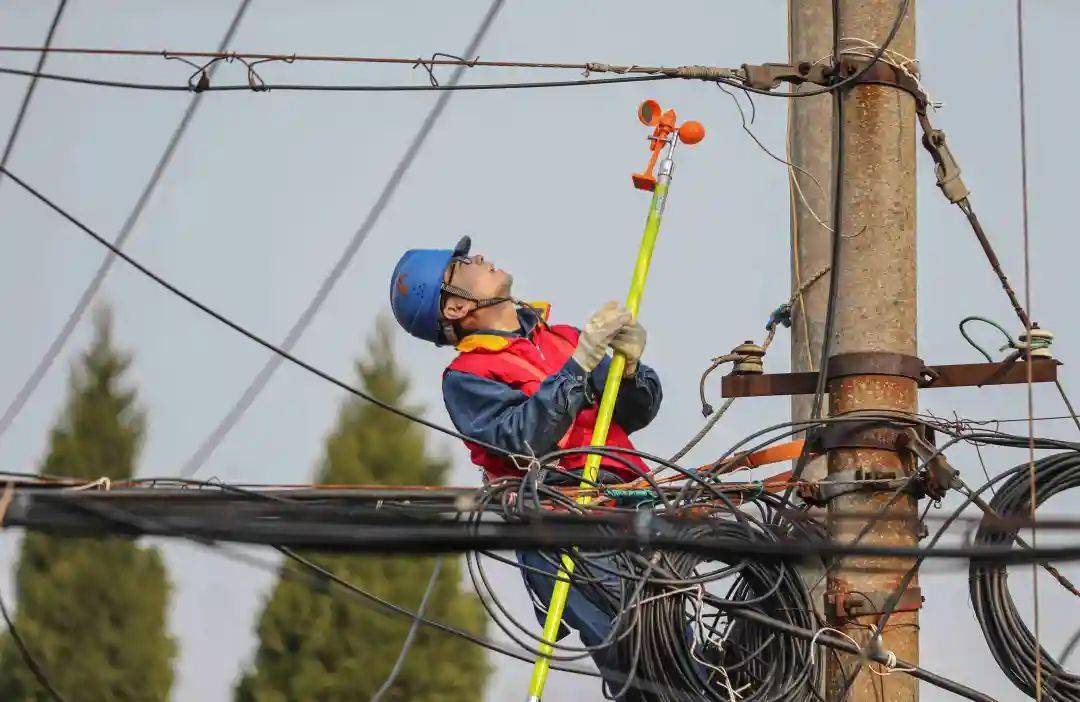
586, 611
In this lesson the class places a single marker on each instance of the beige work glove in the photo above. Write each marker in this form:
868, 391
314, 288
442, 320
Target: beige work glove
630, 342
595, 338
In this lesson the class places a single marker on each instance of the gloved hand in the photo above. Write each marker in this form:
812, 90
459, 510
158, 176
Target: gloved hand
598, 333
630, 342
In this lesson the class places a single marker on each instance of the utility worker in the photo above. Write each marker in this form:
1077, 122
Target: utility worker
530, 387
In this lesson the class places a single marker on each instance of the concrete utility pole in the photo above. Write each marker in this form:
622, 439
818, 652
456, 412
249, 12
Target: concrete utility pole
810, 123
875, 313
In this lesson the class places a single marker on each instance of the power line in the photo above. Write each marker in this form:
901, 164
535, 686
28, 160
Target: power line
1032, 478
324, 574
262, 378
315, 577
97, 509
29, 94
370, 530
1017, 419
28, 657
411, 636
24, 651
267, 87
240, 329
437, 59
56, 346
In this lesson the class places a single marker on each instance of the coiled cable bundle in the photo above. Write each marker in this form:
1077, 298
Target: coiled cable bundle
685, 646
1012, 643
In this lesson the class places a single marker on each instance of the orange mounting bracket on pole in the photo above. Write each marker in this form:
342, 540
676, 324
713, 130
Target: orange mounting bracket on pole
651, 115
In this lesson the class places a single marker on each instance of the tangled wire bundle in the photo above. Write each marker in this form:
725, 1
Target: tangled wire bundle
674, 637
719, 657
1010, 640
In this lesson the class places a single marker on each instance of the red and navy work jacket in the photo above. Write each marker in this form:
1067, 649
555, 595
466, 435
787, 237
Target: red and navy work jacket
522, 391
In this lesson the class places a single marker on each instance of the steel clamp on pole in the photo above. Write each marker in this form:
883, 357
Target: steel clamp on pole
666, 133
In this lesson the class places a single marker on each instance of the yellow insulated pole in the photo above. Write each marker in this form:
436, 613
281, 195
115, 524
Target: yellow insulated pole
603, 419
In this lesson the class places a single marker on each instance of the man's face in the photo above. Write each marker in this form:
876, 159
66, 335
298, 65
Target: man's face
479, 277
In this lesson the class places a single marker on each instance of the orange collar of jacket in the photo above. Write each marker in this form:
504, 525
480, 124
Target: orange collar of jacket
497, 342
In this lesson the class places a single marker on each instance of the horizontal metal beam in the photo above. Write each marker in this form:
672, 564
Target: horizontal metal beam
949, 376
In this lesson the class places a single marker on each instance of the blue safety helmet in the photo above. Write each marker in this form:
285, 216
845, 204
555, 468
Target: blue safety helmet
416, 289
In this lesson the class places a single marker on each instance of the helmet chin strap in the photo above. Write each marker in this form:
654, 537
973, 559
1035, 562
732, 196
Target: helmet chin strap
447, 326
479, 302
491, 302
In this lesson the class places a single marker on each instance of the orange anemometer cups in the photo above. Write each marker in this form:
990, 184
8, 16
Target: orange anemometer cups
691, 132
651, 115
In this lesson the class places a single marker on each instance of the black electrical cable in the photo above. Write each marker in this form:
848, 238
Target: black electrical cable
29, 94
755, 662
991, 520
47, 359
839, 93
333, 528
834, 262
746, 657
235, 326
642, 640
905, 580
20, 116
125, 519
472, 638
264, 87
877, 656
410, 637
269, 87
324, 575
1013, 645
483, 585
28, 657
318, 575
259, 382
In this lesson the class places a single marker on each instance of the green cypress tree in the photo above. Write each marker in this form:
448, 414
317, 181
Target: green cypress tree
314, 646
92, 610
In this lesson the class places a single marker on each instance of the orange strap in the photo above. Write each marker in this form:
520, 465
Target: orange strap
774, 454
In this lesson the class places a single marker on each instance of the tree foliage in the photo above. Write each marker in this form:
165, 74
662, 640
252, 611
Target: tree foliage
313, 646
92, 611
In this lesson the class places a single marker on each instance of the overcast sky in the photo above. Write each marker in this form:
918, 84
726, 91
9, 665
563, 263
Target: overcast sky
267, 189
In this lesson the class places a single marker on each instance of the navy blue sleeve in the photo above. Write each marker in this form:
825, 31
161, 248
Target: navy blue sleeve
493, 412
639, 396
